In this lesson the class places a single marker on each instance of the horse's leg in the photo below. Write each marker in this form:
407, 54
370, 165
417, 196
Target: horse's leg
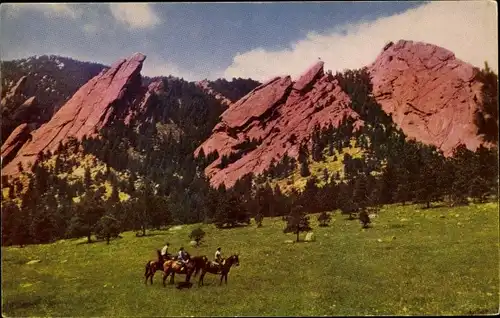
151, 278
200, 281
221, 277
165, 275
146, 274
172, 277
225, 278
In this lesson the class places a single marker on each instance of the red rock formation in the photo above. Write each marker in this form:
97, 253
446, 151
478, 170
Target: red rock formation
28, 107
272, 113
15, 141
108, 95
430, 94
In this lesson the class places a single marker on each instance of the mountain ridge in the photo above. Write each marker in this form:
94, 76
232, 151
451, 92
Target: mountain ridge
401, 76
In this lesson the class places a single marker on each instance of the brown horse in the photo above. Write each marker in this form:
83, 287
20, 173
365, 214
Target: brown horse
223, 270
154, 265
194, 265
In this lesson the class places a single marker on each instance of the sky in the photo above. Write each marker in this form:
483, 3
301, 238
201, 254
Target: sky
250, 40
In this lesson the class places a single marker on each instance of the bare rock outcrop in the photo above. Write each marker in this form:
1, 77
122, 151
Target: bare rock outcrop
15, 141
278, 114
114, 93
432, 96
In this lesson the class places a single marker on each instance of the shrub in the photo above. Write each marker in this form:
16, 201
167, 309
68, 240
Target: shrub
197, 235
107, 228
364, 219
324, 218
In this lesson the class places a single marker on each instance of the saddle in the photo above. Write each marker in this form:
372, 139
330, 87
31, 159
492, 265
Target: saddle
217, 265
181, 266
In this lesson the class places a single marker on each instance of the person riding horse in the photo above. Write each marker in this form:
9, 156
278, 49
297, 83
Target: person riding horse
182, 258
218, 257
164, 252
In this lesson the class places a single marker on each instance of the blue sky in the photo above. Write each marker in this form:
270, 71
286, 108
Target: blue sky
257, 40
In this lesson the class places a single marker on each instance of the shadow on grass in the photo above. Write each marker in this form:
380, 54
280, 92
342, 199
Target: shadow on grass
184, 285
435, 206
100, 241
16, 261
148, 234
225, 227
26, 302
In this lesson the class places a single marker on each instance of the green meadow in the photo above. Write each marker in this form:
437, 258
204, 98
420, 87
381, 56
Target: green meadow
439, 261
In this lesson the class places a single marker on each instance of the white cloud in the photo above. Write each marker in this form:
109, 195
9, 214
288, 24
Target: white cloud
468, 28
50, 10
134, 15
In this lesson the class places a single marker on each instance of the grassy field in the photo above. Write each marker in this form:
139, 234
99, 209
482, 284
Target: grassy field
441, 261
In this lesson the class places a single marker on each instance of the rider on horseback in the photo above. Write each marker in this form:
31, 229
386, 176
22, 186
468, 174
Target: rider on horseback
218, 257
182, 258
164, 251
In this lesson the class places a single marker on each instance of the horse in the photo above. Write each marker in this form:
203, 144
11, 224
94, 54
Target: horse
223, 270
154, 265
199, 263
194, 265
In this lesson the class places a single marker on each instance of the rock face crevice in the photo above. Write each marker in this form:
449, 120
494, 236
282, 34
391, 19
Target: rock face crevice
115, 93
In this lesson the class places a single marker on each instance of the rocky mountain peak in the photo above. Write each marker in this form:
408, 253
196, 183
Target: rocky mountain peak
111, 94
431, 95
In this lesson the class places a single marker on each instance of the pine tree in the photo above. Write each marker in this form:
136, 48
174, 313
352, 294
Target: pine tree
428, 184
360, 195
86, 215
364, 219
44, 225
258, 219
308, 197
108, 227
279, 202
304, 169
10, 220
115, 194
87, 179
297, 222
346, 203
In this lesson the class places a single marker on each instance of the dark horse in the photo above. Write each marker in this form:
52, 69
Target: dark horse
193, 265
153, 266
223, 270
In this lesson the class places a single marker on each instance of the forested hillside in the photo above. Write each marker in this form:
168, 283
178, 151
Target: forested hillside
150, 178
52, 80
